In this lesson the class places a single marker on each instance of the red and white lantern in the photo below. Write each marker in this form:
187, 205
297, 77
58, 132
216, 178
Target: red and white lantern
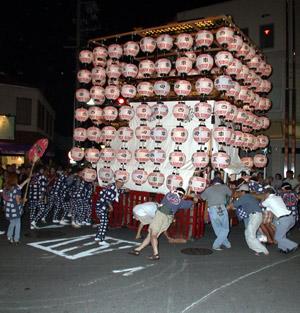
123, 156
145, 89
148, 44
197, 184
84, 76
174, 181
142, 133
179, 135
106, 175
159, 134
108, 133
125, 133
126, 113
203, 110
260, 160
85, 56
115, 51
98, 94
131, 48
222, 108
98, 76
128, 91
142, 155
241, 116
113, 71
81, 114
263, 141
77, 154
243, 74
191, 55
224, 36
110, 113
143, 111
223, 83
243, 52
130, 70
112, 92
89, 175
200, 159
204, 39
220, 160
238, 141
107, 154
164, 42
183, 65
234, 68
181, 111
157, 156
139, 176
93, 133
267, 71
184, 41
161, 88
100, 52
163, 66
231, 114
201, 134
247, 161
204, 63
146, 68
156, 179
236, 44
79, 134
234, 90
122, 174
223, 59
92, 155
82, 95
265, 122
204, 86
222, 135
177, 159
182, 87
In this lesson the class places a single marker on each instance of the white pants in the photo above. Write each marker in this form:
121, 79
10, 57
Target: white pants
253, 243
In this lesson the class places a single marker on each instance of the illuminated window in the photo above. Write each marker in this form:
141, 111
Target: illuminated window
266, 36
23, 111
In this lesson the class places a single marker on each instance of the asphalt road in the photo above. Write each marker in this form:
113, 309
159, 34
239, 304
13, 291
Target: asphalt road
62, 270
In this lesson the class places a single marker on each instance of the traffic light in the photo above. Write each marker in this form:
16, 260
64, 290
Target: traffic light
266, 36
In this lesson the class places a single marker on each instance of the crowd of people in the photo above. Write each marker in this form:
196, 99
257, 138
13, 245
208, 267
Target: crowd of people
268, 207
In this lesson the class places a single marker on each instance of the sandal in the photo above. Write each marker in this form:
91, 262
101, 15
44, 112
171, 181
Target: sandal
154, 257
134, 252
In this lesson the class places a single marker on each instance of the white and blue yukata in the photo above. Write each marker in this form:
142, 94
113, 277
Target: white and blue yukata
77, 199
106, 197
37, 193
87, 203
13, 212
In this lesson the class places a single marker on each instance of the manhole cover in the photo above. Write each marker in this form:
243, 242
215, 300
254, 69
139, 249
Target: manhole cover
196, 251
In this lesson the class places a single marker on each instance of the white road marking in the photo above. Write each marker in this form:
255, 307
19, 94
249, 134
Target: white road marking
76, 247
50, 226
129, 271
204, 298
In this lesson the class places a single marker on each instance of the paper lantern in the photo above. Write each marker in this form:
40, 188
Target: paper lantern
234, 68
200, 159
182, 87
77, 154
92, 155
85, 56
243, 74
110, 113
220, 160
148, 44
126, 113
115, 51
241, 116
234, 90
108, 133
204, 86
191, 55
263, 141
98, 94
79, 134
224, 36
128, 91
223, 59
222, 108
99, 62
89, 175
159, 134
179, 135
239, 139
142, 155
184, 41
100, 52
84, 76
143, 111
123, 156
164, 42
223, 83
146, 68
131, 48
81, 114
260, 160
201, 134
203, 110
122, 174
161, 88
130, 70
222, 135
204, 39
267, 71
251, 54
244, 50
157, 156
231, 114
156, 179
193, 72
93, 133
107, 154
113, 71
183, 65
125, 133
106, 175
98, 76
139, 176
197, 184
145, 89
82, 95
177, 159
204, 63
112, 92
142, 133
265, 122
174, 181
181, 111
247, 161
236, 44
163, 66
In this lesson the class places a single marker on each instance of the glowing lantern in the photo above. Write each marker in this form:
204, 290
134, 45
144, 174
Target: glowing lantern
203, 110
123, 156
245, 49
79, 134
191, 55
84, 76
130, 70
95, 114
77, 154
223, 83
156, 179
128, 91
89, 175
142, 133
143, 111
177, 159
184, 41
222, 108
182, 87
204, 39
204, 86
181, 111
107, 154
239, 139
98, 75
92, 155
112, 92
243, 74
163, 67
139, 176
115, 51
241, 116
236, 44
159, 134
142, 155
260, 160
81, 114
108, 133
157, 156
223, 59
122, 174
126, 113
131, 48
224, 36
231, 114
222, 135
113, 71
98, 94
82, 95
183, 65
106, 175
146, 68
179, 135
164, 42
125, 133
100, 52
93, 133
174, 181
234, 68
247, 161
267, 71
161, 88
200, 159
265, 122
110, 113
86, 56
204, 63
201, 134
197, 184
148, 44
145, 89
220, 160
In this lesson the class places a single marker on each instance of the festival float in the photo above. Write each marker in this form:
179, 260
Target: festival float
163, 107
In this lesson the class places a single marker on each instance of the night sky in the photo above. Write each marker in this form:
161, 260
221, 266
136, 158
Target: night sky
38, 40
